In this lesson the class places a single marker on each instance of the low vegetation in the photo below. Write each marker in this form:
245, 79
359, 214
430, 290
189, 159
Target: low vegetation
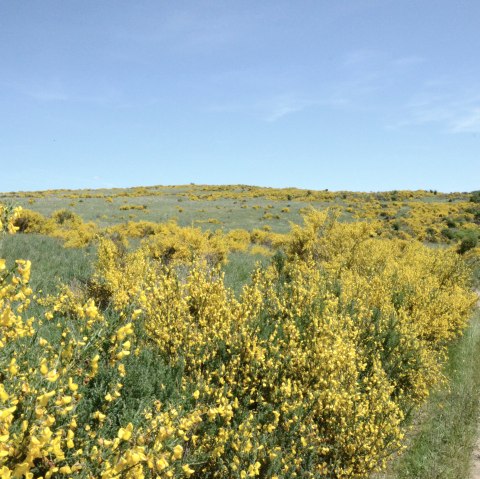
164, 361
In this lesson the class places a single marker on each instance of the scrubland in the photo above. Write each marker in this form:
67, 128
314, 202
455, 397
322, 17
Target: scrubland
235, 332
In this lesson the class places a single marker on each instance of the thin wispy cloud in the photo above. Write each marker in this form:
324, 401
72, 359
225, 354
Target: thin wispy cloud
48, 95
451, 108
468, 124
283, 107
270, 109
407, 61
193, 30
379, 62
57, 91
364, 75
371, 75
47, 91
368, 74
361, 58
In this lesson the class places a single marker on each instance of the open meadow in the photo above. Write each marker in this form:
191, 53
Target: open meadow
325, 325
235, 331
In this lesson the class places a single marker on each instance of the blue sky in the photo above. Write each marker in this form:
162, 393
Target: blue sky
359, 95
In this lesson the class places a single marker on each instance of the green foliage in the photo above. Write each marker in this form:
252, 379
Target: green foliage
65, 216
54, 265
475, 197
442, 442
469, 241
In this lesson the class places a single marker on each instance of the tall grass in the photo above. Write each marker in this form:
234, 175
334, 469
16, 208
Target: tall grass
53, 264
447, 426
239, 269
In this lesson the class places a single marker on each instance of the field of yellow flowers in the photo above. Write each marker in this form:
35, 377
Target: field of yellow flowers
243, 218
155, 368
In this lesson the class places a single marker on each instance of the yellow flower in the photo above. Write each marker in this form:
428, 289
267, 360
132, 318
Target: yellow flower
5, 413
98, 415
125, 433
187, 470
161, 464
72, 386
43, 367
13, 368
70, 436
3, 394
177, 452
52, 376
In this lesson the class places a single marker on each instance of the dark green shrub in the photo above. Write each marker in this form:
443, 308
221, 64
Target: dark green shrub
468, 242
475, 198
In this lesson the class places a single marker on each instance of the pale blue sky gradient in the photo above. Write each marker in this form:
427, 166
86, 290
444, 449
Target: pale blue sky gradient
357, 95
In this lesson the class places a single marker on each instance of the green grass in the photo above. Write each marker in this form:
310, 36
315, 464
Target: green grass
239, 268
442, 445
227, 211
165, 202
52, 264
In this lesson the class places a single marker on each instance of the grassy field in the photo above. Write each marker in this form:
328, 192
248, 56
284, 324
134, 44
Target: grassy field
214, 207
164, 204
441, 440
445, 429
56, 265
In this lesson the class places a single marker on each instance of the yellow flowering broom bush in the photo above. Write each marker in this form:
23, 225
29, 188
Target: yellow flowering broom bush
158, 370
8, 217
420, 215
63, 224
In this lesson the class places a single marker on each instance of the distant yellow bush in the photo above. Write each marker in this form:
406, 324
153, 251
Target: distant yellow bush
133, 207
172, 243
238, 240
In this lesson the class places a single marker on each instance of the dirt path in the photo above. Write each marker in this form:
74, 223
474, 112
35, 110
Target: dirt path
475, 471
